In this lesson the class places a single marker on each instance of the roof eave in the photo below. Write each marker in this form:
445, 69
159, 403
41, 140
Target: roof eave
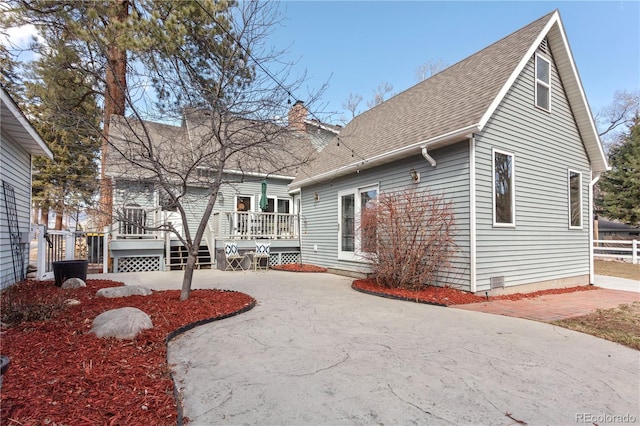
26, 136
387, 157
321, 126
556, 35
577, 98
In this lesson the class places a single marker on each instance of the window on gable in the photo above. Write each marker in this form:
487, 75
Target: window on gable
543, 83
575, 199
503, 189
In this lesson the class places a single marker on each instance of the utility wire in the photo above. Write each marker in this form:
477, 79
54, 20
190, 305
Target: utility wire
246, 51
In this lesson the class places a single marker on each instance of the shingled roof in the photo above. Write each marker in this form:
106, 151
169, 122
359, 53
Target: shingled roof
256, 148
452, 105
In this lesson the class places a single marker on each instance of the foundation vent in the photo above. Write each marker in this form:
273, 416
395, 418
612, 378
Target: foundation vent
496, 282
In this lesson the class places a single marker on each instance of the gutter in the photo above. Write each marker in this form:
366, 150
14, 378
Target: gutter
231, 172
256, 174
436, 142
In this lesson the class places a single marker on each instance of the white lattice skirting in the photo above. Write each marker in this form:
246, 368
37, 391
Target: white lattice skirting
139, 264
283, 258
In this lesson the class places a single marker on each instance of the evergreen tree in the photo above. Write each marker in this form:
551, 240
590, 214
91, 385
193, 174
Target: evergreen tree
61, 105
620, 186
10, 74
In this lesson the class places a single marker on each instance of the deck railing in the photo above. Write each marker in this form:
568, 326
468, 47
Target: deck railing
250, 225
222, 224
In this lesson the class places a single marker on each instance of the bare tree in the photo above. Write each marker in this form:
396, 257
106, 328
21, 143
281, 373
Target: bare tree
206, 64
430, 68
229, 102
614, 120
380, 94
352, 103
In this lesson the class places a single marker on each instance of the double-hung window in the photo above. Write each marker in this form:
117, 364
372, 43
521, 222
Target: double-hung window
504, 195
575, 199
352, 242
543, 83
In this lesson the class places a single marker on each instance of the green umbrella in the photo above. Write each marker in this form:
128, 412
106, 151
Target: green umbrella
263, 198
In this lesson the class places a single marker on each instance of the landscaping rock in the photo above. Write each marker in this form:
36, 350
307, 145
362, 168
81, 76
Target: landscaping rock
122, 323
73, 283
72, 302
129, 290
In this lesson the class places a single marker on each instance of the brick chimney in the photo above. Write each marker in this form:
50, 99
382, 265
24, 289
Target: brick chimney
297, 115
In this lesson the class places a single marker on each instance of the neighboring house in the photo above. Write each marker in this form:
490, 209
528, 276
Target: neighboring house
138, 199
506, 135
19, 142
609, 230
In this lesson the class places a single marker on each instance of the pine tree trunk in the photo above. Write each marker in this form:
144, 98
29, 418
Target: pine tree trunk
59, 216
114, 103
44, 216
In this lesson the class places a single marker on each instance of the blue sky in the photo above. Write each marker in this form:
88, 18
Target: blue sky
354, 46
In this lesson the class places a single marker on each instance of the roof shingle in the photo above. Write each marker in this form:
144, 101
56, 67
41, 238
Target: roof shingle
451, 100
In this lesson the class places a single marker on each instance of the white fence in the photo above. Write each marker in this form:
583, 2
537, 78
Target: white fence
627, 250
54, 246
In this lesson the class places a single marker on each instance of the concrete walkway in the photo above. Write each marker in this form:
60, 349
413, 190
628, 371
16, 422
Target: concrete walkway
315, 352
615, 283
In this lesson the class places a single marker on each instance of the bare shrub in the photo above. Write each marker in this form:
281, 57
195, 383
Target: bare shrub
408, 236
31, 301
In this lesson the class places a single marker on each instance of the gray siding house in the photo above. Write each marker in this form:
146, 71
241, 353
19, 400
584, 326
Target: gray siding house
506, 135
141, 207
19, 142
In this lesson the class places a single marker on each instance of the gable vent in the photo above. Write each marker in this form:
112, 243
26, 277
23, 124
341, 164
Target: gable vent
544, 46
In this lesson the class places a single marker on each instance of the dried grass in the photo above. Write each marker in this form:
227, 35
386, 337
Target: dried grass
620, 324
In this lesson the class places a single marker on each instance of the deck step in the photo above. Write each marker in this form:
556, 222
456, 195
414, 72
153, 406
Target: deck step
179, 255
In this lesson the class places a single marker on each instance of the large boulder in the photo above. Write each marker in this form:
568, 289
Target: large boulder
122, 323
73, 283
128, 290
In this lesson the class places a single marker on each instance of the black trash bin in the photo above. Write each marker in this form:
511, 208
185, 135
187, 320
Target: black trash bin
65, 269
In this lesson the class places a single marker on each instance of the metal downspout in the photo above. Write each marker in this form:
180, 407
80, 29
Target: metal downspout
472, 213
427, 157
591, 266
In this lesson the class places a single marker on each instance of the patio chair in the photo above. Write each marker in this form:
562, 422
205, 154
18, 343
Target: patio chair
261, 254
234, 259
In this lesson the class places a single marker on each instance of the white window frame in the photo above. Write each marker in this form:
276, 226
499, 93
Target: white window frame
275, 203
569, 172
543, 83
135, 220
497, 224
251, 197
356, 255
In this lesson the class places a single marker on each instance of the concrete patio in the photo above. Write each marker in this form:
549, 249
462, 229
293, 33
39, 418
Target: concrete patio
315, 352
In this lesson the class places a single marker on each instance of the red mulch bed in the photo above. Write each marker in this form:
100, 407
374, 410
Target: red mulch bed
299, 267
446, 296
62, 374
